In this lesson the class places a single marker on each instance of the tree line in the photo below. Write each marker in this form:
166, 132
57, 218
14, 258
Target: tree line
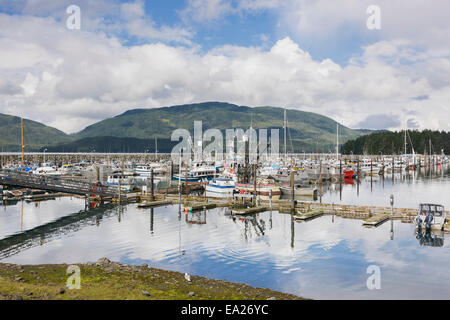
387, 142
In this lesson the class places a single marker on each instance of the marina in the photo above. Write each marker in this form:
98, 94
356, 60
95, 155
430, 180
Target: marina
278, 241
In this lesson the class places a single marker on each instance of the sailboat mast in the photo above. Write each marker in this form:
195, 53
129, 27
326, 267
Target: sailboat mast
337, 141
21, 127
405, 141
285, 152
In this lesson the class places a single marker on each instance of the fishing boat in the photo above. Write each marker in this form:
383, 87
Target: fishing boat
285, 176
349, 174
126, 180
199, 172
145, 170
264, 188
221, 185
430, 216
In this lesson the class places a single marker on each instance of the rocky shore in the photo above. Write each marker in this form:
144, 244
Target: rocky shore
114, 281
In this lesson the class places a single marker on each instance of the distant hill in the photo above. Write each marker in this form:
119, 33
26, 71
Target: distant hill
307, 131
136, 130
36, 135
388, 142
114, 145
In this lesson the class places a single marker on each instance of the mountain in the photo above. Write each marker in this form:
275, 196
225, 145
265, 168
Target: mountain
307, 131
388, 142
136, 130
36, 135
114, 145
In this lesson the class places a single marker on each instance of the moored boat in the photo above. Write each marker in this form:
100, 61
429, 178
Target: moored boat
299, 190
431, 216
221, 185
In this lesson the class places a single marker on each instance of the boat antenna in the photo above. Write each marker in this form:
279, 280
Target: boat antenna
337, 141
21, 125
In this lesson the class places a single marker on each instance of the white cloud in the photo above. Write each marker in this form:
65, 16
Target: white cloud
214, 10
201, 10
324, 23
142, 26
71, 79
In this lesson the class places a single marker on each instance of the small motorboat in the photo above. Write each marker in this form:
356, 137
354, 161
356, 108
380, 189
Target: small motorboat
431, 216
349, 174
221, 185
299, 190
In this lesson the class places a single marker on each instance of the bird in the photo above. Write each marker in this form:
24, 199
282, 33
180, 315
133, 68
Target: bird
187, 277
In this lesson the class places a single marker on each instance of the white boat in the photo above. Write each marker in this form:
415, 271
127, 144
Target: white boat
46, 171
145, 170
221, 186
126, 180
431, 216
264, 189
199, 172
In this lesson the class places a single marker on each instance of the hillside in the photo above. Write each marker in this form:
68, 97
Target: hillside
388, 142
114, 145
307, 131
36, 135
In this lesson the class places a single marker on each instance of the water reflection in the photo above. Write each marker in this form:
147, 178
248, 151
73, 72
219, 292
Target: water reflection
410, 189
322, 258
430, 238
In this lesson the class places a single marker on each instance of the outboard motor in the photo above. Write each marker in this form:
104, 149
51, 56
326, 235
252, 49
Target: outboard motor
419, 222
429, 220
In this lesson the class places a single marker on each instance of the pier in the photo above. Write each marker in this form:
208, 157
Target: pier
59, 184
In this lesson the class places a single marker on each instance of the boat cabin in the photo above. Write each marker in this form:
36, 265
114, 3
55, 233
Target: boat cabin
431, 216
435, 209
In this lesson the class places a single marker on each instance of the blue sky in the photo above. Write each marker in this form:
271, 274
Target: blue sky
310, 55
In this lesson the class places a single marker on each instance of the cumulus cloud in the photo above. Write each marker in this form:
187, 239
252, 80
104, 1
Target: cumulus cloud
213, 10
138, 24
380, 121
336, 21
70, 79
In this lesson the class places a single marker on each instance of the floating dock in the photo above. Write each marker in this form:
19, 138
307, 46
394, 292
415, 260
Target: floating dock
200, 206
376, 220
309, 215
248, 211
151, 204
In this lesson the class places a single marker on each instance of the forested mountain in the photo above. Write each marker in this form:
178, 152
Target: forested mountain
388, 142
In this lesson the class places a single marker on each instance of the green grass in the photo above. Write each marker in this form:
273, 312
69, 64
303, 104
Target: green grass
118, 282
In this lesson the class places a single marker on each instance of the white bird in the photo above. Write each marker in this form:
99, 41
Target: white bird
187, 277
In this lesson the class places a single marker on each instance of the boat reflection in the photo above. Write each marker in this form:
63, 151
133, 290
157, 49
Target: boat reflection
430, 238
250, 223
53, 230
196, 217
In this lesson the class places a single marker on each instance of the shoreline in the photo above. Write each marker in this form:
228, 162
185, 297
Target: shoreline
106, 280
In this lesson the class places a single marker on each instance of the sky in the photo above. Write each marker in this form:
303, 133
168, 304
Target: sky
69, 71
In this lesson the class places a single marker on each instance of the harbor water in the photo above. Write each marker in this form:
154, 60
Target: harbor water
326, 258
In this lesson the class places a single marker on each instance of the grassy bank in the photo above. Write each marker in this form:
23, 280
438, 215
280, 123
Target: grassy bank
110, 280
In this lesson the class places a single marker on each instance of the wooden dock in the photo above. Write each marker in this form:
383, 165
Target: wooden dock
200, 206
152, 204
309, 215
249, 211
376, 220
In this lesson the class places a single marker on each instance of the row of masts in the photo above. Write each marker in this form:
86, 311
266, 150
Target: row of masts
285, 124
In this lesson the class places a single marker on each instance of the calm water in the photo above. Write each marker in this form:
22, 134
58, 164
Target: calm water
324, 258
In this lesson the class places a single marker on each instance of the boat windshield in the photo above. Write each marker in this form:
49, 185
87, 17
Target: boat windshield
435, 209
